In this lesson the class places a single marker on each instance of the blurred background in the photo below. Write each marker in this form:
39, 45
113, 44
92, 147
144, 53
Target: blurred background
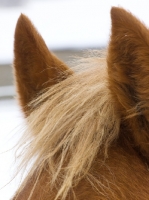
68, 28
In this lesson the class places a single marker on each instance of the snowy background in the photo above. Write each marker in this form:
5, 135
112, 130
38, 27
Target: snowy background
64, 24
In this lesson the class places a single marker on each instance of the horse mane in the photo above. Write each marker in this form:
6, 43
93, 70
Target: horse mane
70, 124
76, 118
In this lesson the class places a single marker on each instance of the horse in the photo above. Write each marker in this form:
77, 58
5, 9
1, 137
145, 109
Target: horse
87, 127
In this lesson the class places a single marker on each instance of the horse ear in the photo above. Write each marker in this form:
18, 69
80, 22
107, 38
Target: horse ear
128, 69
36, 68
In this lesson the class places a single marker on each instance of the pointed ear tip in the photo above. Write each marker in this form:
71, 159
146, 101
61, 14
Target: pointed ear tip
113, 9
22, 15
22, 24
22, 18
116, 12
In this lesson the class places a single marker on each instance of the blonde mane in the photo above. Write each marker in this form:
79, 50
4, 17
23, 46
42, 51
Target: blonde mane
73, 121
87, 127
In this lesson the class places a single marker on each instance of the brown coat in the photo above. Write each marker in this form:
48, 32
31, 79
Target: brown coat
124, 174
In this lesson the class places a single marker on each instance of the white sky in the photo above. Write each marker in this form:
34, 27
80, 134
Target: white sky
66, 23
63, 24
